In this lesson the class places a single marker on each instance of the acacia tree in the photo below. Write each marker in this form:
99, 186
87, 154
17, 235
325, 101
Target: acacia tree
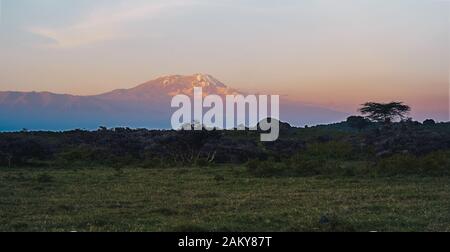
385, 112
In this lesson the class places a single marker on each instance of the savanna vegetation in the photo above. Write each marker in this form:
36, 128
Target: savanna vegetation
381, 172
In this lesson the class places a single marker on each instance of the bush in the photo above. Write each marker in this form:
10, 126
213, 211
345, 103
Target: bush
125, 160
77, 154
358, 122
260, 168
433, 164
202, 162
331, 159
151, 163
429, 122
330, 150
321, 158
307, 166
436, 163
397, 164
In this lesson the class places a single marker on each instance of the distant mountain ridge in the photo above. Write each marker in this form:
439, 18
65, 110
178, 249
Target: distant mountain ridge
146, 105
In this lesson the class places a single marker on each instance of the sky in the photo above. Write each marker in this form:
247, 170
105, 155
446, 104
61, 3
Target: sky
333, 53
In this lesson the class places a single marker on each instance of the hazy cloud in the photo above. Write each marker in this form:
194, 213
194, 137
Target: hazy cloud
106, 23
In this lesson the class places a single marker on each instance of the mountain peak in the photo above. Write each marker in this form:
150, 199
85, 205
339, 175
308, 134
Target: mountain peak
185, 84
194, 80
171, 85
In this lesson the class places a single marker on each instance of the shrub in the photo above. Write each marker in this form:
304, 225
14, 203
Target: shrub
433, 164
436, 163
321, 158
122, 161
358, 122
151, 163
201, 162
265, 168
307, 166
77, 154
334, 158
398, 164
429, 122
330, 150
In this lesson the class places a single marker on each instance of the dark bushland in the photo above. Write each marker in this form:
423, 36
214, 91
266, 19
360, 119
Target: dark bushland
342, 149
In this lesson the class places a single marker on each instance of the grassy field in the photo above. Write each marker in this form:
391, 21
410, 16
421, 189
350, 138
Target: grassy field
216, 199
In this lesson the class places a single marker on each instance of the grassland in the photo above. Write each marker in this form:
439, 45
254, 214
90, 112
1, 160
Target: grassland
216, 199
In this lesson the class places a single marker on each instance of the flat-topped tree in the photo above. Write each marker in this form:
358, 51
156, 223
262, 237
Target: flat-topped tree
385, 112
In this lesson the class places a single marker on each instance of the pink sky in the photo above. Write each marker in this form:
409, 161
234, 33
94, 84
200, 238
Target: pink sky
332, 53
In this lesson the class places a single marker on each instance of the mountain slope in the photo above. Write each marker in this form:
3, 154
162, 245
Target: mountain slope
170, 86
146, 105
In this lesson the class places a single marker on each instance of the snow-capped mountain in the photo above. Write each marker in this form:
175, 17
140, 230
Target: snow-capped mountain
146, 105
170, 86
